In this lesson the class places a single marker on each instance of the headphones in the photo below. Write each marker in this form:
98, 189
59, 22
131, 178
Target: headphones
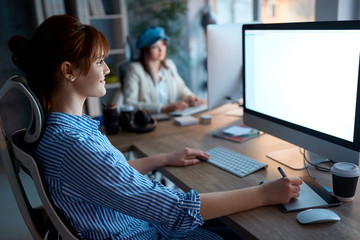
143, 122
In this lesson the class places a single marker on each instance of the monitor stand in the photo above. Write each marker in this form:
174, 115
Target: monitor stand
294, 159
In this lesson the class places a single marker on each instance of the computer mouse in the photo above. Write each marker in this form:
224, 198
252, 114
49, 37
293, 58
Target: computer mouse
318, 215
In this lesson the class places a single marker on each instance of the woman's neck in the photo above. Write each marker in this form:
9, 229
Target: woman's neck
155, 66
67, 103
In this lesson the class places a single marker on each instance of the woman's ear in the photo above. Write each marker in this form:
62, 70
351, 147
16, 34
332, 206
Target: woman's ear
67, 70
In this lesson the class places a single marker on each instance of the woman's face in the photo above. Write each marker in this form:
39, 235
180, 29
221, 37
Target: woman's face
158, 51
93, 84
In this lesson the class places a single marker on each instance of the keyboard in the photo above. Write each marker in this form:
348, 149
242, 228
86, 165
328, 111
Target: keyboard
233, 162
190, 110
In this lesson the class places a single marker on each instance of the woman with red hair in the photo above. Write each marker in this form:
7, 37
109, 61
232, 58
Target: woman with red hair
101, 194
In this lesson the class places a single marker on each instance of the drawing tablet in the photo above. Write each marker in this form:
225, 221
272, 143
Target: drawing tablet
312, 195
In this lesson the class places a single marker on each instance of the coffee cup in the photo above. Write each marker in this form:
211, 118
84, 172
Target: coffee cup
344, 180
110, 114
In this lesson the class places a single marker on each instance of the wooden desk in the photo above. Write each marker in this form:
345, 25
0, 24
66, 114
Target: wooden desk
261, 223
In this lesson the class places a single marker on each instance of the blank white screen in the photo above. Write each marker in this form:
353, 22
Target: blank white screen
306, 77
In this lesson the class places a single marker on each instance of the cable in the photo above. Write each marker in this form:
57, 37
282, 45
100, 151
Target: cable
304, 158
233, 101
318, 165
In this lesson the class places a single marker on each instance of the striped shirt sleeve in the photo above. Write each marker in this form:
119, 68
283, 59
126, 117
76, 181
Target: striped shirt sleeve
102, 176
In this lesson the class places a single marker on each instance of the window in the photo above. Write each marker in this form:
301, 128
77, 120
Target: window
287, 11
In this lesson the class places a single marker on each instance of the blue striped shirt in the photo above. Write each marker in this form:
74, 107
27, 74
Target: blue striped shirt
102, 196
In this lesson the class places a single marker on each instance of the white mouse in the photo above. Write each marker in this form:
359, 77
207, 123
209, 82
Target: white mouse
318, 215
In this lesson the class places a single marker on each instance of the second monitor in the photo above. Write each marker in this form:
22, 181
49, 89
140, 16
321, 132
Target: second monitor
224, 63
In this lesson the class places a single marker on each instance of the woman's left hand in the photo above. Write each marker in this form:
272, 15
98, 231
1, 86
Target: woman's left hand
193, 101
186, 157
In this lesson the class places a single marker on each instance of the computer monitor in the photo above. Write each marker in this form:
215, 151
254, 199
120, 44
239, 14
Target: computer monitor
224, 64
301, 84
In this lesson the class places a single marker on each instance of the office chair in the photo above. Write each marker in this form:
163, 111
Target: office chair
46, 221
132, 54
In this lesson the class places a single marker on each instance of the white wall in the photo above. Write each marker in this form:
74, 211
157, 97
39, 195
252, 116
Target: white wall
197, 47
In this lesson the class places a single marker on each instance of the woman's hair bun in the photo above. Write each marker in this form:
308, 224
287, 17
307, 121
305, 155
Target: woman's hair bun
19, 45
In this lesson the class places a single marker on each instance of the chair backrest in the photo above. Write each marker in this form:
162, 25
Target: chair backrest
134, 52
16, 152
38, 228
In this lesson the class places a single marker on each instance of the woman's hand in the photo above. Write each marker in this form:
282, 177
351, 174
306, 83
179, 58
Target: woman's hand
280, 190
181, 158
186, 157
174, 107
194, 101
218, 204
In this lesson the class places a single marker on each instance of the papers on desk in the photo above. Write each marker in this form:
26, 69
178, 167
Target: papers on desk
237, 133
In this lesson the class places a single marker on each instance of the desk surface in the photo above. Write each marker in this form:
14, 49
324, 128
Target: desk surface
261, 223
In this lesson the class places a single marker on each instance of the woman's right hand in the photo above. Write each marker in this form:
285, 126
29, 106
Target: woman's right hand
280, 190
174, 107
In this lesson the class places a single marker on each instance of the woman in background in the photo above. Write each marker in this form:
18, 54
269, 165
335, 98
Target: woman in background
100, 193
153, 84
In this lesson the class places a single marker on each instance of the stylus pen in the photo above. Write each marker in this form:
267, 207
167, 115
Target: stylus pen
282, 172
